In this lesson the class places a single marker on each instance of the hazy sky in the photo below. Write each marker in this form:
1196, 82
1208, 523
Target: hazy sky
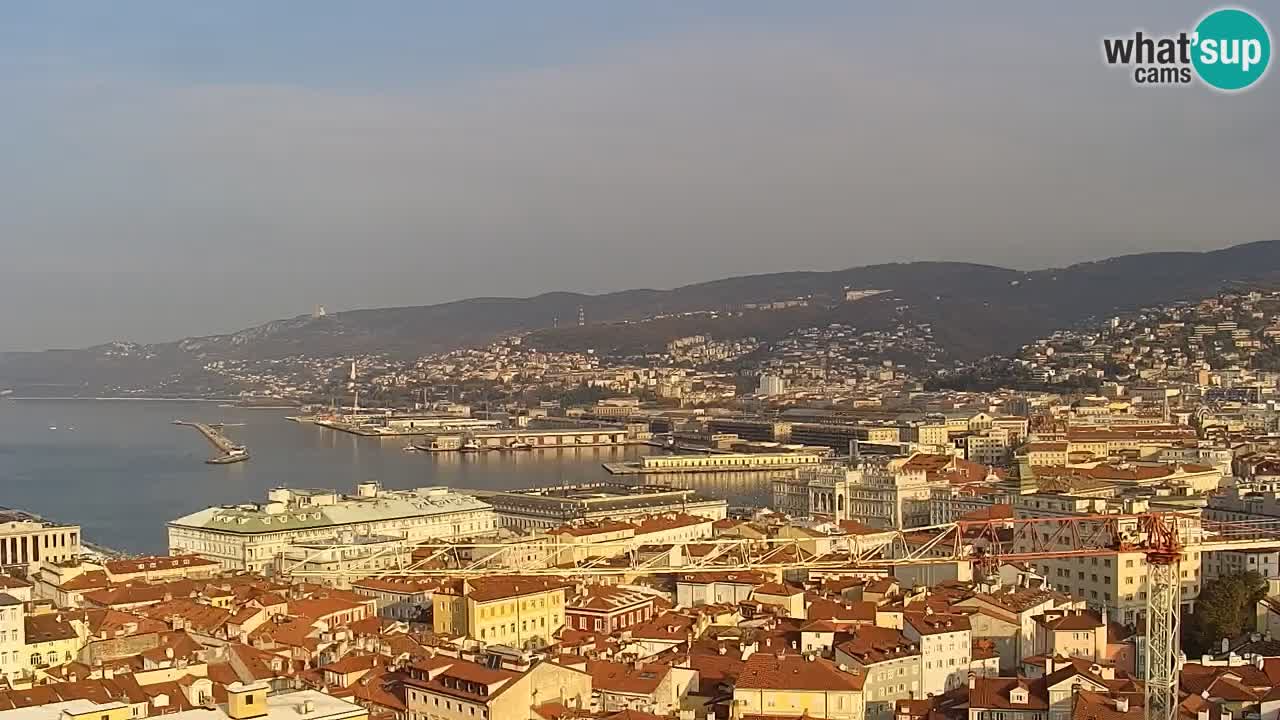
177, 168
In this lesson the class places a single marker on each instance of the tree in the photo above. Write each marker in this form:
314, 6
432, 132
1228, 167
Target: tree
1225, 609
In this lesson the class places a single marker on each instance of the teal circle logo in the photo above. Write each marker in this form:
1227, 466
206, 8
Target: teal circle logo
1231, 49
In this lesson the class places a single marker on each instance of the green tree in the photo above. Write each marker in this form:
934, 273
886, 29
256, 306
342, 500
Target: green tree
1225, 609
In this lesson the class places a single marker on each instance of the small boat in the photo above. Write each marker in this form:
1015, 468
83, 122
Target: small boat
470, 446
518, 445
410, 448
234, 456
53, 427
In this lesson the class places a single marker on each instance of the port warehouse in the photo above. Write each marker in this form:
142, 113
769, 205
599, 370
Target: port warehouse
536, 438
749, 461
877, 439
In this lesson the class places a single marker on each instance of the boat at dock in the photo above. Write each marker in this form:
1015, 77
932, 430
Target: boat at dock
234, 456
213, 432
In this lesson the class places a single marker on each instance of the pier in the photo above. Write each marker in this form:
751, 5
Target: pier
231, 452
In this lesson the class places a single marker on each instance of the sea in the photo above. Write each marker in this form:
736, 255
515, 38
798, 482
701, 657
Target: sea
121, 469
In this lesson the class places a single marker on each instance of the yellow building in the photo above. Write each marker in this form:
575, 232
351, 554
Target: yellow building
520, 612
444, 688
936, 435
798, 686
52, 639
1047, 454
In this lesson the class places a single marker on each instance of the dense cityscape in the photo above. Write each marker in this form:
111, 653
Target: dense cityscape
993, 539
573, 360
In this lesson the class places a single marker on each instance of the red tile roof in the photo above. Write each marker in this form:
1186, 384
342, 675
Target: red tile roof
766, 671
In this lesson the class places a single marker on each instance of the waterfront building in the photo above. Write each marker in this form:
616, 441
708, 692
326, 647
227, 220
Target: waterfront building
253, 536
26, 540
727, 461
551, 507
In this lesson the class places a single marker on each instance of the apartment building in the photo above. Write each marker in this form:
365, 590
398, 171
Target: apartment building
945, 643
398, 597
1019, 606
445, 688
12, 637
607, 608
1072, 634
1114, 581
890, 664
789, 685
516, 611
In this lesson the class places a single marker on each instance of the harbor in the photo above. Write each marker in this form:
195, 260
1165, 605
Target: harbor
230, 452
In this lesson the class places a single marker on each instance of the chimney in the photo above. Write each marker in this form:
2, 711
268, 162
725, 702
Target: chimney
1122, 704
973, 680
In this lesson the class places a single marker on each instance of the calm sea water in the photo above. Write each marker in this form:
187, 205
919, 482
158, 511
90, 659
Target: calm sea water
121, 469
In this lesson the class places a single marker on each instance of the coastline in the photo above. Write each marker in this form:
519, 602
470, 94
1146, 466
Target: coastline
116, 399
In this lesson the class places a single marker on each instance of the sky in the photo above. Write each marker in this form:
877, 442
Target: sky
174, 169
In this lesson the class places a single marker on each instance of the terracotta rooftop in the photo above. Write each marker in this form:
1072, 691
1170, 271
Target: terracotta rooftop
767, 671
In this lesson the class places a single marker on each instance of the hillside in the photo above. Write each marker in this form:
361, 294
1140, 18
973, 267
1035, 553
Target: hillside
974, 309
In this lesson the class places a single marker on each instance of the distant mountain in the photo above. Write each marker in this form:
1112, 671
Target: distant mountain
974, 309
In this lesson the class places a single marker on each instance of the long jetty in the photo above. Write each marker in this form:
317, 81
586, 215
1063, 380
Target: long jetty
231, 451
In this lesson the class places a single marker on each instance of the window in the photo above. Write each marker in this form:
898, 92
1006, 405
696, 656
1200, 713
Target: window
248, 699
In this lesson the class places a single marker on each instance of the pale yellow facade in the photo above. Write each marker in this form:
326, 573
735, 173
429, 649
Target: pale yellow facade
529, 620
829, 704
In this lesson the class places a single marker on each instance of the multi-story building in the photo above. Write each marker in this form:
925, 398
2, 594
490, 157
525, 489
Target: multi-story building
1046, 453
715, 588
1221, 563
550, 507
1115, 581
607, 609
519, 612
26, 540
13, 659
991, 447
945, 643
1071, 633
253, 536
789, 685
160, 568
398, 597
1020, 606
445, 688
890, 663
883, 493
